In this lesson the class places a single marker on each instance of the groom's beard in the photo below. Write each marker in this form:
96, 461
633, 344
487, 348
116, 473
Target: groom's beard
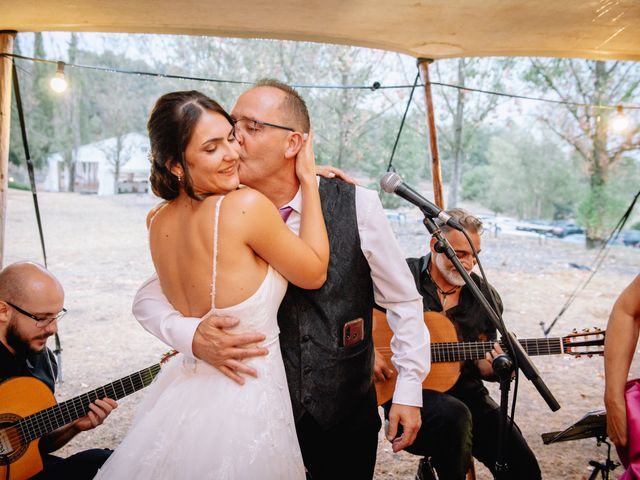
451, 275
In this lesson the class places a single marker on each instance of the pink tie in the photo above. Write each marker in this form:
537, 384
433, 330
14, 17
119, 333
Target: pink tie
285, 212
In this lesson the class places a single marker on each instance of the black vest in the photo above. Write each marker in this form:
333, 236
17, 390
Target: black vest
326, 379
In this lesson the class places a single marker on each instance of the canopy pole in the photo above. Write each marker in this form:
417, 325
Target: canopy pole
436, 172
6, 46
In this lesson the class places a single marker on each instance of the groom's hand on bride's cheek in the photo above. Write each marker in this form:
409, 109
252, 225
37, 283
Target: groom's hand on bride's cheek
226, 351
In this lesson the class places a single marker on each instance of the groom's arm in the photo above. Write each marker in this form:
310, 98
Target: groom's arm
395, 290
205, 339
158, 317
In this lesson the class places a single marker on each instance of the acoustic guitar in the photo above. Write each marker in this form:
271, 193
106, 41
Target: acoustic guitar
28, 411
447, 353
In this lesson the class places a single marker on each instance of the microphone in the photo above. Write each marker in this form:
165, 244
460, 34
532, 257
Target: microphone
391, 182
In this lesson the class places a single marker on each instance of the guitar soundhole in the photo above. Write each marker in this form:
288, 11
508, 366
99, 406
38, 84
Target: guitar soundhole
12, 445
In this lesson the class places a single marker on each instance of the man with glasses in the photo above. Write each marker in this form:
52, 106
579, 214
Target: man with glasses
31, 304
463, 421
325, 334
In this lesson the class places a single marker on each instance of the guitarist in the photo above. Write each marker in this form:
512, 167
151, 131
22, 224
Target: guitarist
31, 304
464, 421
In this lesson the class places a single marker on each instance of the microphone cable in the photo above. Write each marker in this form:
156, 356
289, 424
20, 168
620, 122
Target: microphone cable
597, 262
34, 194
507, 339
404, 117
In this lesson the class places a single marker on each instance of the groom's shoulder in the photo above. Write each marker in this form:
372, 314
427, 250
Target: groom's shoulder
336, 186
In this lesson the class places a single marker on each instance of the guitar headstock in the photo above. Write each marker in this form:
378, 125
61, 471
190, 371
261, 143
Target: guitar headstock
166, 356
589, 342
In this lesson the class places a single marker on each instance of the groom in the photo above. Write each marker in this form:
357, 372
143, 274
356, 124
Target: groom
325, 334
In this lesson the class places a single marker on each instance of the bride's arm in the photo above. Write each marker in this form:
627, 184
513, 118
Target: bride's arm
302, 260
620, 343
312, 228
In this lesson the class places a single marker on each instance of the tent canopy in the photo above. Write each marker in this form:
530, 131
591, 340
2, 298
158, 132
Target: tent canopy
596, 29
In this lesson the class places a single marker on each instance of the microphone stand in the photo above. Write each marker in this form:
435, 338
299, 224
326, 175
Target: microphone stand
503, 367
522, 359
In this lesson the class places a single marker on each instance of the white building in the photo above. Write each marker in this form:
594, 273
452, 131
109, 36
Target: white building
95, 166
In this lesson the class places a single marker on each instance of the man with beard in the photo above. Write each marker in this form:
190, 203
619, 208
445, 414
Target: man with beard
325, 334
31, 304
465, 420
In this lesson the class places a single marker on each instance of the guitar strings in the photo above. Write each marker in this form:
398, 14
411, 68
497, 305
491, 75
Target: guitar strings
32, 426
48, 417
458, 351
81, 402
37, 424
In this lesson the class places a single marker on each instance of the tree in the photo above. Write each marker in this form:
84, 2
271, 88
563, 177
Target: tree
585, 127
347, 116
66, 134
464, 112
38, 103
525, 176
342, 118
117, 153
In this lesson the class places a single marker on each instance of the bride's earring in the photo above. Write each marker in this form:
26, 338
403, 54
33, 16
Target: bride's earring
179, 178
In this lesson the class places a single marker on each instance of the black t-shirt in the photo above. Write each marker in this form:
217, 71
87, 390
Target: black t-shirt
468, 316
42, 366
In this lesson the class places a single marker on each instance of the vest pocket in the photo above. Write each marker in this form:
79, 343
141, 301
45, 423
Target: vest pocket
343, 353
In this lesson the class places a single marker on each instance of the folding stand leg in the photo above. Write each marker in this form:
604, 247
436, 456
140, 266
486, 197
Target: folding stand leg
603, 468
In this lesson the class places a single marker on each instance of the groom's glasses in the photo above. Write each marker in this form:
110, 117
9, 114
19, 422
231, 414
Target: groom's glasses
248, 126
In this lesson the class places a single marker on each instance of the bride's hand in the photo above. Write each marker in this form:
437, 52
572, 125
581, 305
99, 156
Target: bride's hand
306, 160
328, 171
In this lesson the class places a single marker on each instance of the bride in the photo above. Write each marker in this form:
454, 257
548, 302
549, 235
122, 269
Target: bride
220, 250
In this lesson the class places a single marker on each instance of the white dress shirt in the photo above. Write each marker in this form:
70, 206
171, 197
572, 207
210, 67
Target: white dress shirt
394, 290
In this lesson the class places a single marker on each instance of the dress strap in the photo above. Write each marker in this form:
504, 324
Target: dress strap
215, 252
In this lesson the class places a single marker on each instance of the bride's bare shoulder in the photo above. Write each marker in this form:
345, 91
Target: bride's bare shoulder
247, 198
154, 210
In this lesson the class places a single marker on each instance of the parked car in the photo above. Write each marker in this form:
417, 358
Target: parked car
534, 225
631, 238
563, 228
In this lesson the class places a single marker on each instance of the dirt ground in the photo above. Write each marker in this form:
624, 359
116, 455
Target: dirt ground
97, 247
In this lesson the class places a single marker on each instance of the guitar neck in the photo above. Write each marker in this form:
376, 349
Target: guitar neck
43, 422
460, 351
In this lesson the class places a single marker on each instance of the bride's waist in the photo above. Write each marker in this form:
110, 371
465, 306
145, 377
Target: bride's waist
270, 343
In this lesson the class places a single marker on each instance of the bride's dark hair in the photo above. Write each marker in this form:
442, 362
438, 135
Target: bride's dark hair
170, 127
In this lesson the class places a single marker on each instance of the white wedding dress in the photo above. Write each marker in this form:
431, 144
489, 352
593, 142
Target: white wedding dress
196, 423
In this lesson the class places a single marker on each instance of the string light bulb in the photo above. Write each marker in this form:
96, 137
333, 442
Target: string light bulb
619, 122
59, 83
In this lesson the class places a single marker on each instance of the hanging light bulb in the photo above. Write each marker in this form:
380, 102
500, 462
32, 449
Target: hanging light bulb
59, 83
619, 122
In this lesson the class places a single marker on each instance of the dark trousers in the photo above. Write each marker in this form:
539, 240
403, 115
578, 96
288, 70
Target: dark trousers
521, 462
346, 450
453, 429
81, 466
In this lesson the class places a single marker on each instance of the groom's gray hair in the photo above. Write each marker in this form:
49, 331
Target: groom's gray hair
293, 105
